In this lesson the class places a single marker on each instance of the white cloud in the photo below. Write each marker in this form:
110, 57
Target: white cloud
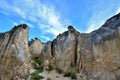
15, 23
5, 13
52, 22
96, 21
43, 26
47, 38
32, 19
118, 10
19, 11
38, 13
100, 14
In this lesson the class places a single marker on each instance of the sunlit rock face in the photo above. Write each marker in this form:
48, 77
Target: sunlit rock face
14, 53
35, 47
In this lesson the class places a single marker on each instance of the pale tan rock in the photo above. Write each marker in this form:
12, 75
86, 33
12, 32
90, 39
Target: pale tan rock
46, 53
46, 63
65, 49
14, 53
35, 47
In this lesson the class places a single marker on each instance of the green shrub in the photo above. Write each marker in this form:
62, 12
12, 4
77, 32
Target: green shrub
67, 74
59, 71
35, 76
71, 73
39, 69
49, 68
37, 60
73, 76
49, 79
34, 73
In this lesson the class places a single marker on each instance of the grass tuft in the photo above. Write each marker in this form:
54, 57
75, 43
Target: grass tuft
49, 68
36, 76
59, 71
49, 79
71, 73
37, 60
39, 69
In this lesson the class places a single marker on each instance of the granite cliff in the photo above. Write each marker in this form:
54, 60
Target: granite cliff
96, 56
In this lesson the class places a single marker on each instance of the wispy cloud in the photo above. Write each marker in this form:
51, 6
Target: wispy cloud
95, 22
14, 23
100, 14
38, 13
5, 13
118, 10
47, 38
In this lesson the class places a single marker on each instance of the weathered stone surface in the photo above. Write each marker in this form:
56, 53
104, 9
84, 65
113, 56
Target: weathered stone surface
64, 49
82, 39
101, 51
47, 50
95, 55
35, 47
14, 53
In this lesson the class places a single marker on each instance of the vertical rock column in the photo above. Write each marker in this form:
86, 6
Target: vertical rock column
64, 49
14, 53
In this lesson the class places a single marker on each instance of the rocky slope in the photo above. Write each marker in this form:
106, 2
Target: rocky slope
95, 56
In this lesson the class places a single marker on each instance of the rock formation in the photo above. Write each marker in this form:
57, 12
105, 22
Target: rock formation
64, 49
95, 55
35, 47
14, 53
101, 51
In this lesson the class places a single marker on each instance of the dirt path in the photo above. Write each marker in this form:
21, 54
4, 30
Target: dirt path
53, 75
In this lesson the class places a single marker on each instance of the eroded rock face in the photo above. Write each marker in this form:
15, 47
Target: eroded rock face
96, 55
101, 52
47, 50
14, 53
82, 39
64, 49
35, 47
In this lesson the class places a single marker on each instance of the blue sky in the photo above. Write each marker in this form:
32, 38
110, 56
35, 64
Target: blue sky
47, 18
